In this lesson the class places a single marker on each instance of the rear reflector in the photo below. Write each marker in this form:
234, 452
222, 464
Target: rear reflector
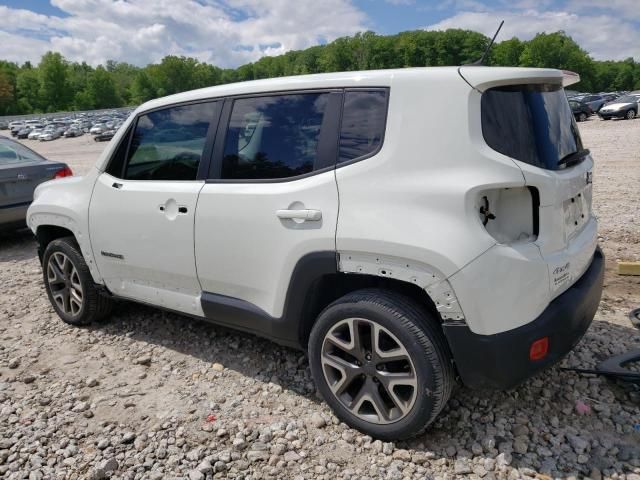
539, 349
65, 172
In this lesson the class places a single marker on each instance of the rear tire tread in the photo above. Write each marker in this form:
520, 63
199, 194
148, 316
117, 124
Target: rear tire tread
419, 323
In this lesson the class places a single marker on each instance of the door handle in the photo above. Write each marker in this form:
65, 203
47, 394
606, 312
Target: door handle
304, 214
116, 185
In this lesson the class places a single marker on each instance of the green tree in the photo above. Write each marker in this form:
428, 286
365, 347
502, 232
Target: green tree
28, 85
6, 92
101, 89
54, 87
558, 50
142, 88
507, 53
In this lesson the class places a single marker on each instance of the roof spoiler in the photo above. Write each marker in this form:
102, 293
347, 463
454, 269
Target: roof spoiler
569, 78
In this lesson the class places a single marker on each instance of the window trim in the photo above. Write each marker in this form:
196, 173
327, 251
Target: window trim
210, 165
387, 91
326, 147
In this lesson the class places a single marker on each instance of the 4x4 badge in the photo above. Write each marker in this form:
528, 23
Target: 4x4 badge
589, 177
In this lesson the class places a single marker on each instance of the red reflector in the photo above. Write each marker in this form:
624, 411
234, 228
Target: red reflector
65, 172
539, 349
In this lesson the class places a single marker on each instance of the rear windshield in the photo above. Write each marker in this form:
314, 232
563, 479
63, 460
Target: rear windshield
532, 123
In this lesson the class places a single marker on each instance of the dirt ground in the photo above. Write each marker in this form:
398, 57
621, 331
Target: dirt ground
157, 395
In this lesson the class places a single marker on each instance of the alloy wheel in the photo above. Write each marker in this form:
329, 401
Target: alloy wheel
369, 370
64, 284
631, 114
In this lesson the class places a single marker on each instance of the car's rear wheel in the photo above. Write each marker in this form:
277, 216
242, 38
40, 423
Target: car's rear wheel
582, 117
381, 362
69, 285
630, 115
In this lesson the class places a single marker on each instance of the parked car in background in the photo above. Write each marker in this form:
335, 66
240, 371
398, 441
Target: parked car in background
21, 171
16, 128
104, 136
35, 133
50, 133
98, 128
580, 110
24, 132
4, 125
594, 101
623, 107
73, 131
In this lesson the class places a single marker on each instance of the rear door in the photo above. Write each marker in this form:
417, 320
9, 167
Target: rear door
142, 211
272, 197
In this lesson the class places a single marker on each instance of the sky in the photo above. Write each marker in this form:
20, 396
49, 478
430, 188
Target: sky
229, 33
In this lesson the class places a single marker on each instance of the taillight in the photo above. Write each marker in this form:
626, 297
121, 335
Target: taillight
509, 215
65, 172
539, 349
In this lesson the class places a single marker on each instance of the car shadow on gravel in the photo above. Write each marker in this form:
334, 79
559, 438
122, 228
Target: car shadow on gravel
534, 427
244, 353
12, 245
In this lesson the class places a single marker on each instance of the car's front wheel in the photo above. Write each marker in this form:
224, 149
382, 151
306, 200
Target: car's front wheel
381, 362
69, 285
630, 115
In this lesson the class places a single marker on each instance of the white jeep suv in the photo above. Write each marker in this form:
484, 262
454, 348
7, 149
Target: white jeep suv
407, 228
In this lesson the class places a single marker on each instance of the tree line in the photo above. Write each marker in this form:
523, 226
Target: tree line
56, 84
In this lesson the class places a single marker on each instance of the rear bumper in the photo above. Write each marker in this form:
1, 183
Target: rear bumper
501, 361
13, 216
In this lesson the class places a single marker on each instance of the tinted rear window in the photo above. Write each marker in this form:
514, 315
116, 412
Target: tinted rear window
363, 123
273, 137
530, 123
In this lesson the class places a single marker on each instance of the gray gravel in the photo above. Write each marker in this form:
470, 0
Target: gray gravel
155, 395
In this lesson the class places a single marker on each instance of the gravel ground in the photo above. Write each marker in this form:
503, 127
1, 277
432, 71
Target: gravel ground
156, 395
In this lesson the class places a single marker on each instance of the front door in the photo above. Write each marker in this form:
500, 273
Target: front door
142, 211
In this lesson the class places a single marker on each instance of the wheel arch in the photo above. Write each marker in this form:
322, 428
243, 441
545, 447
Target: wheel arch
356, 270
48, 228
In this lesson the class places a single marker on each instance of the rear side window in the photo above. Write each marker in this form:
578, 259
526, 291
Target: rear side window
13, 153
363, 123
532, 123
273, 137
168, 144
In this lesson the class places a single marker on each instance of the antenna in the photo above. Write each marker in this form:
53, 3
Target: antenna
486, 52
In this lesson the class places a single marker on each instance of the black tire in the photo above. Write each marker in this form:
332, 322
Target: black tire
582, 117
630, 114
420, 335
95, 305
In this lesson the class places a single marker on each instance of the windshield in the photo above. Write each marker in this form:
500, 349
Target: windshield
532, 123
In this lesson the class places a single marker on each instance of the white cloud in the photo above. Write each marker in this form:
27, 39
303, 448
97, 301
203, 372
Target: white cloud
628, 9
604, 36
222, 32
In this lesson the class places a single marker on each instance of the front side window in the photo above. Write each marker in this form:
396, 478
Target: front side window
168, 144
532, 123
363, 123
273, 137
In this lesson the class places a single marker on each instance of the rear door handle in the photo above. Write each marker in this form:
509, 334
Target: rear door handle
305, 214
116, 185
